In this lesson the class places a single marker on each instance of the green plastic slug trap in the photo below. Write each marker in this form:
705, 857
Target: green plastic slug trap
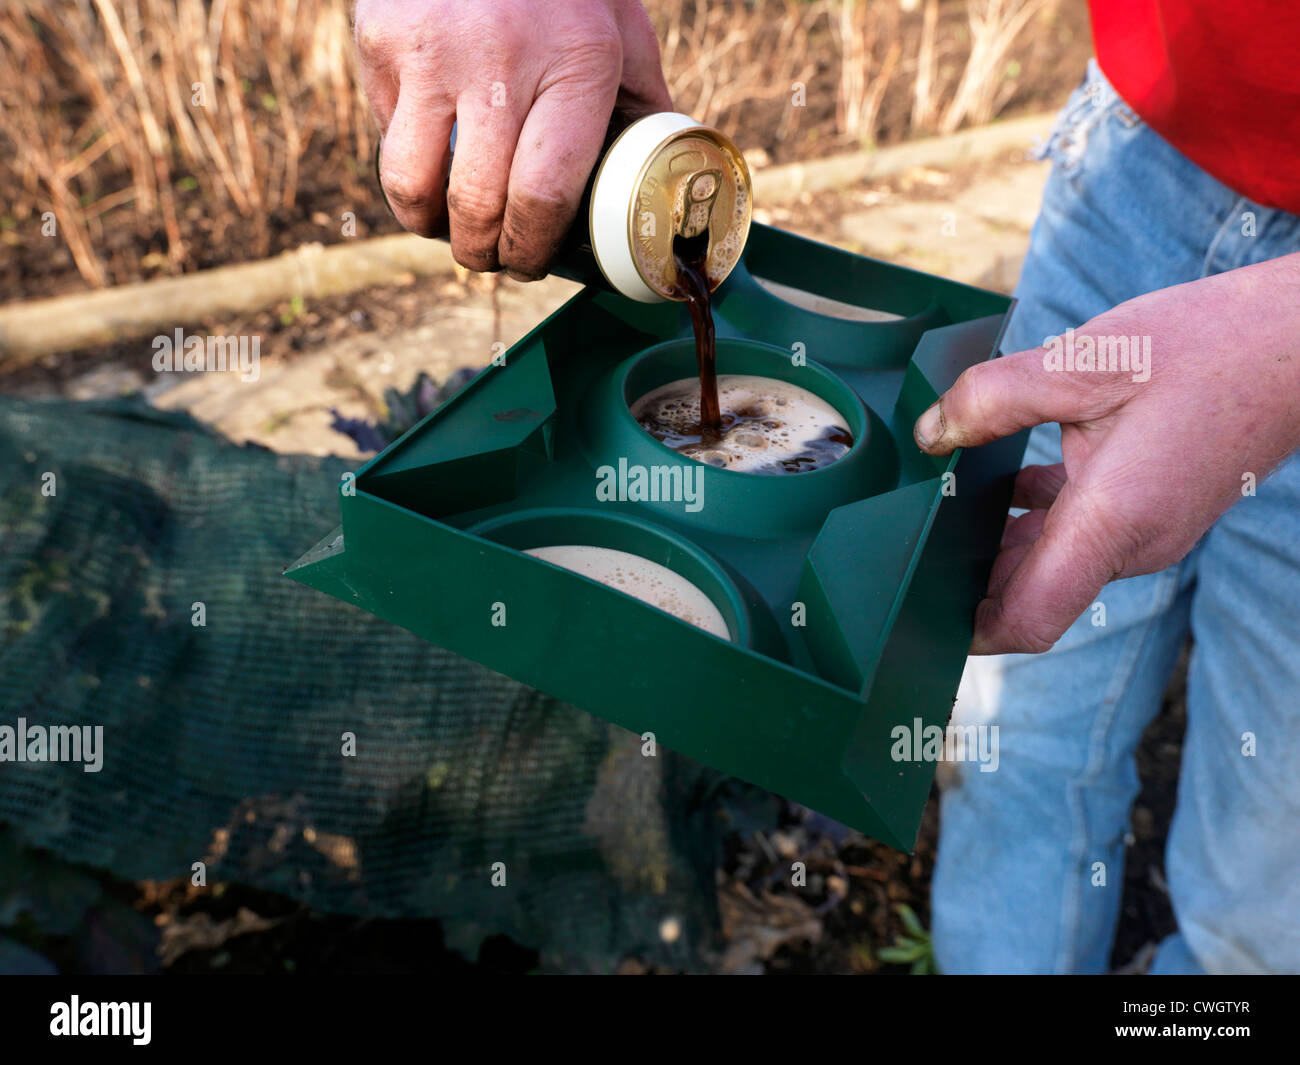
849, 591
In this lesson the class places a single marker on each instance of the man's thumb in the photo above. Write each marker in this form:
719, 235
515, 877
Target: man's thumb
1000, 397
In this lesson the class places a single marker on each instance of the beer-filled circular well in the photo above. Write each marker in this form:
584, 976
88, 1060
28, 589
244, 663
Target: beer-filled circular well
767, 426
732, 500
634, 557
640, 578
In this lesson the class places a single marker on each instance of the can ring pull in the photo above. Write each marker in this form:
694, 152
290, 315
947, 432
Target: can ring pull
700, 191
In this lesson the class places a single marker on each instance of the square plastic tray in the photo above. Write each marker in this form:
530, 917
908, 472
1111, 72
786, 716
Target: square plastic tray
849, 591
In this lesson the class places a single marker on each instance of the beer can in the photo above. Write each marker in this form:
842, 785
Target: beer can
666, 176
662, 177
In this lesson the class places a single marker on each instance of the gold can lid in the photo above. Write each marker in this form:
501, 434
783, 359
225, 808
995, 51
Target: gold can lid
693, 181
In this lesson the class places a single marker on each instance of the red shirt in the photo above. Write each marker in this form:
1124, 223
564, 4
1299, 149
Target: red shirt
1218, 79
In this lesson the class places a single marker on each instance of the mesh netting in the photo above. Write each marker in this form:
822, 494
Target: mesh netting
224, 742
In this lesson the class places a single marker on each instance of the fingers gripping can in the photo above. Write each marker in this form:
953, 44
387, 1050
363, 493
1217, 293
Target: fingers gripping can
662, 177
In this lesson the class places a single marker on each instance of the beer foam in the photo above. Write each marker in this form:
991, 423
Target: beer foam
768, 426
640, 578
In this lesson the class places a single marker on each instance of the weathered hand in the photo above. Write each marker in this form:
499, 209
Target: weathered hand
532, 87
1148, 464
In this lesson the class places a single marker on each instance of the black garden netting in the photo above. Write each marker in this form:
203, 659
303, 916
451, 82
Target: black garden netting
225, 742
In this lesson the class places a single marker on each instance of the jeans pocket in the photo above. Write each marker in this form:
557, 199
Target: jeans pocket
1093, 102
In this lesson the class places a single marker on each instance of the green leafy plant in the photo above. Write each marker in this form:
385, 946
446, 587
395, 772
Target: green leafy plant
294, 312
914, 948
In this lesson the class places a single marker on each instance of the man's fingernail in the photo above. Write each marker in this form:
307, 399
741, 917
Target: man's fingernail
520, 275
929, 426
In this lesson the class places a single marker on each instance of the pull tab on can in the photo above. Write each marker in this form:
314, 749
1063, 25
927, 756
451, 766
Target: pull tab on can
699, 191
668, 176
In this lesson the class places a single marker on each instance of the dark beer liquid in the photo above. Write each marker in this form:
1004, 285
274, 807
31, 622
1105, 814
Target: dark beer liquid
744, 426
690, 254
700, 440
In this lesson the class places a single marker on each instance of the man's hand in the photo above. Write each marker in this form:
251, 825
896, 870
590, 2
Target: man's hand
1149, 465
532, 86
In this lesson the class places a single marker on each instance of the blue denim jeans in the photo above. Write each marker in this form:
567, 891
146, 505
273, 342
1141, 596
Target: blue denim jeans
1030, 866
